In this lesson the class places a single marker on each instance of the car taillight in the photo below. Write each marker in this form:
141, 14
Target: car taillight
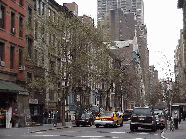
130, 118
152, 119
76, 120
111, 119
86, 119
95, 119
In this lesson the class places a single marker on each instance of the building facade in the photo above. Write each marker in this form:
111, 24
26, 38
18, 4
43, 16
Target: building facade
127, 6
12, 60
180, 67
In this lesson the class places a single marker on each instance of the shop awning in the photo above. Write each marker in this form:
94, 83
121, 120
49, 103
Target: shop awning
12, 87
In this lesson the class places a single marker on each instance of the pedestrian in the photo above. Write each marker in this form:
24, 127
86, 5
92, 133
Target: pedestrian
45, 119
183, 115
55, 120
58, 116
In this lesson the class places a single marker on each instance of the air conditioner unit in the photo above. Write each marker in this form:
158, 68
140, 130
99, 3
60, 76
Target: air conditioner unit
2, 63
13, 30
21, 67
63, 77
64, 59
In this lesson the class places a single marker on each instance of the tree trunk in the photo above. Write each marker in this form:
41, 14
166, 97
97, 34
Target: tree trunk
63, 108
107, 100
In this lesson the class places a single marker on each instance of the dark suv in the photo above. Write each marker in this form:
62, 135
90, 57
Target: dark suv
127, 114
142, 117
84, 119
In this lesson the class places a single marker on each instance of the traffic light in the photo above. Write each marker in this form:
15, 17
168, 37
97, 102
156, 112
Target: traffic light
49, 114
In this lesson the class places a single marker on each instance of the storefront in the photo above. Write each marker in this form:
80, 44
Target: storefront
14, 105
36, 111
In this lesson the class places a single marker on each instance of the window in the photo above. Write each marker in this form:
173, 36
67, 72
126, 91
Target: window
21, 2
2, 13
12, 20
20, 26
34, 4
20, 57
29, 16
50, 38
29, 48
29, 77
39, 7
51, 95
53, 40
11, 57
35, 30
51, 66
1, 51
49, 12
43, 34
36, 57
53, 16
43, 8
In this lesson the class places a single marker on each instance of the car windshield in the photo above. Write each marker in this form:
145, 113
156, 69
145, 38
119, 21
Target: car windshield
142, 111
158, 112
106, 114
128, 111
84, 115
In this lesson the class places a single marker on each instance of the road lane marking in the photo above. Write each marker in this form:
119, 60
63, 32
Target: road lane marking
90, 136
118, 132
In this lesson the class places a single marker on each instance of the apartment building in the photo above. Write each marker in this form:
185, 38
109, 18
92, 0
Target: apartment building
153, 87
121, 26
180, 54
127, 6
179, 64
86, 20
13, 17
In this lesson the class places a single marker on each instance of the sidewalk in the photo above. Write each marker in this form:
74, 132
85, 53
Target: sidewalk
28, 130
180, 133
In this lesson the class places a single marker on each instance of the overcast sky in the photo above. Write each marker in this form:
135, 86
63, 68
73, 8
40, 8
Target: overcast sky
163, 21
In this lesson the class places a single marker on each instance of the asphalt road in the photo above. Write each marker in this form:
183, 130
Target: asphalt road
86, 132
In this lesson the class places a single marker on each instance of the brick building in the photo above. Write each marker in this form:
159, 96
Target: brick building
12, 55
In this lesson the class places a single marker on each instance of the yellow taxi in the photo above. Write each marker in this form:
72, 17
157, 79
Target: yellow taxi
108, 118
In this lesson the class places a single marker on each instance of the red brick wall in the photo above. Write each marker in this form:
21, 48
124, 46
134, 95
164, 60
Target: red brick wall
13, 40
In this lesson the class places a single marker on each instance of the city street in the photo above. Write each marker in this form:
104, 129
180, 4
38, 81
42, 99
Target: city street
73, 132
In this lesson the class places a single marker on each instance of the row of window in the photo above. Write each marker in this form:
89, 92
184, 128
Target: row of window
12, 29
40, 7
12, 55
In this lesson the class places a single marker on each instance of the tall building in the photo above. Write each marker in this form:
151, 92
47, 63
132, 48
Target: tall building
134, 6
122, 26
122, 21
86, 20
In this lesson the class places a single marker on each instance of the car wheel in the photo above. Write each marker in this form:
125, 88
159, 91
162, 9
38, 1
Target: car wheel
97, 126
90, 124
154, 128
136, 128
131, 128
116, 125
77, 125
121, 123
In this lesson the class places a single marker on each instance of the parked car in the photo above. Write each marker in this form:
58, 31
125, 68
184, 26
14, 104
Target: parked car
158, 111
160, 121
84, 119
108, 118
127, 114
144, 118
